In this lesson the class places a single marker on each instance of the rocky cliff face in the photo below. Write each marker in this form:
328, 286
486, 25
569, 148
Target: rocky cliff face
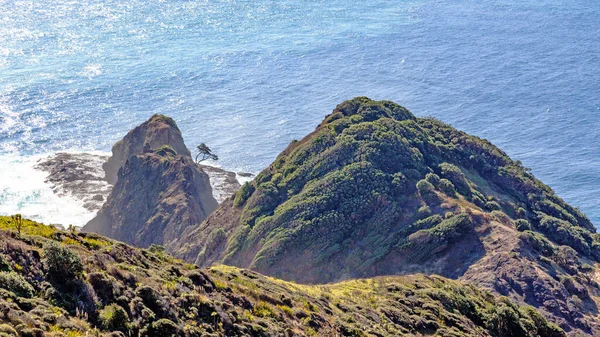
157, 196
159, 130
159, 190
376, 191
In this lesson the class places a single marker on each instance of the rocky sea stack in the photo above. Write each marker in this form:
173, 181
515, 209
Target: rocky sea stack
159, 191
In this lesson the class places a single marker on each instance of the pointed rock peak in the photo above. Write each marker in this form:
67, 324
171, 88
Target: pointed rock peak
156, 132
159, 194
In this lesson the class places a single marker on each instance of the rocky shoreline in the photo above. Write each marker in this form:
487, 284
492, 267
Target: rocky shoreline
78, 175
81, 176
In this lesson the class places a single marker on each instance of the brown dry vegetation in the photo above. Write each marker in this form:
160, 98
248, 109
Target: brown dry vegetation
59, 283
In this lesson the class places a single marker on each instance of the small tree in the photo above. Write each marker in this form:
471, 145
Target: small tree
62, 264
17, 220
204, 153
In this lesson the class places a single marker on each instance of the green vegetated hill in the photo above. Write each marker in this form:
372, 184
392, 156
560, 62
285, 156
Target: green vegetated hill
62, 283
376, 191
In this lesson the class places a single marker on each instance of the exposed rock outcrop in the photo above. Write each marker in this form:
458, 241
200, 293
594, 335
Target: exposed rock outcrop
78, 175
159, 190
158, 195
224, 183
159, 130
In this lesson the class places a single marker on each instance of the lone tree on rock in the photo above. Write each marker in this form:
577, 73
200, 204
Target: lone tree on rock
205, 152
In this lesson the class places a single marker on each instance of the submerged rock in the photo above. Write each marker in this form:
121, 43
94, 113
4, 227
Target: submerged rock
78, 175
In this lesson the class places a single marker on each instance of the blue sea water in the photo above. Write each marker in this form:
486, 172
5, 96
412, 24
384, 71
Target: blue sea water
247, 77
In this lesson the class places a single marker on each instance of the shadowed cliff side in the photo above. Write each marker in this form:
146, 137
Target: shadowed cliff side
157, 196
159, 191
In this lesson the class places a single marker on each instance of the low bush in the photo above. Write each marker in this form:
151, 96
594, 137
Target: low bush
16, 283
62, 265
113, 317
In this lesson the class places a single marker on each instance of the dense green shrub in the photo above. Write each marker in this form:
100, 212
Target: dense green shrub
567, 258
4, 264
538, 242
113, 317
16, 283
447, 187
433, 178
104, 286
564, 233
163, 327
455, 175
242, 195
424, 212
493, 206
62, 264
522, 225
425, 187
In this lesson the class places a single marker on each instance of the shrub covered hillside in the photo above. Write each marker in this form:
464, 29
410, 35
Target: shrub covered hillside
58, 283
376, 191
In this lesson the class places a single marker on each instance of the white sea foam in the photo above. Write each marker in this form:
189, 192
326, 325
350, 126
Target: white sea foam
23, 190
91, 70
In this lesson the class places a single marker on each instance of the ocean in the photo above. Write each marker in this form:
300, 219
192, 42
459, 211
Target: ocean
248, 77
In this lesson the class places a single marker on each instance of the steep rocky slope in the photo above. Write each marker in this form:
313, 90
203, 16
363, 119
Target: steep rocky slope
376, 191
157, 196
159, 191
57, 283
159, 130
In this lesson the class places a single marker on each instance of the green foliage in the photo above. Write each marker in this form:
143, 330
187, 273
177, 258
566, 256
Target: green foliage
493, 206
538, 242
433, 178
352, 191
62, 264
16, 283
156, 249
564, 233
522, 225
243, 194
425, 187
447, 187
426, 242
138, 294
457, 177
114, 318
163, 327
262, 309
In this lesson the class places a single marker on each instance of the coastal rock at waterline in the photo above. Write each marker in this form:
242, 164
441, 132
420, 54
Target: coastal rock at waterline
159, 130
224, 183
77, 175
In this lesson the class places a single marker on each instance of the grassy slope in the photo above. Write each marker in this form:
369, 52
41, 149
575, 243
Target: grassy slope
120, 288
376, 191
